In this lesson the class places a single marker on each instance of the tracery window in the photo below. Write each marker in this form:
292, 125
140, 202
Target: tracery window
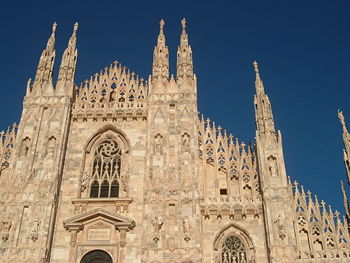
106, 170
233, 250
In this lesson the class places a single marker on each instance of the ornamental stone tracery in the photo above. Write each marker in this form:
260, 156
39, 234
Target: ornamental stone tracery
106, 170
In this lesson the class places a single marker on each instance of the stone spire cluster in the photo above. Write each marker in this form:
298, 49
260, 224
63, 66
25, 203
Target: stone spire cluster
185, 78
43, 83
43, 77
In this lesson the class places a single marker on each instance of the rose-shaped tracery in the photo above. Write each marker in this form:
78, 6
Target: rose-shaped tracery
106, 170
233, 250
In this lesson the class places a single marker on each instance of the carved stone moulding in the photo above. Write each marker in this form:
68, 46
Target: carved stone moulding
121, 203
230, 211
109, 115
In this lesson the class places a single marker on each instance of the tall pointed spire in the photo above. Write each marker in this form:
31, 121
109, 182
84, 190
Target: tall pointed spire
184, 55
68, 65
263, 112
346, 140
161, 55
43, 77
345, 200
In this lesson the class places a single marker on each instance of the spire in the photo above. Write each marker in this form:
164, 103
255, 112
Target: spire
345, 200
259, 85
346, 140
184, 55
68, 64
263, 112
43, 77
161, 55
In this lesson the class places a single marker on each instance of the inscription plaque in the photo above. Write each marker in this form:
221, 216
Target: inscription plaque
99, 234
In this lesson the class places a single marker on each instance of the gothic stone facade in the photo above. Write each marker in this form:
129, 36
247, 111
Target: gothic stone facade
124, 170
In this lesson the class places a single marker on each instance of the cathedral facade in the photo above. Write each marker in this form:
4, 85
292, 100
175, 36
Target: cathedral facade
120, 169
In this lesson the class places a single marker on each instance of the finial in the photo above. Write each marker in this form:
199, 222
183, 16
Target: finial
54, 25
161, 23
183, 22
336, 213
309, 194
256, 67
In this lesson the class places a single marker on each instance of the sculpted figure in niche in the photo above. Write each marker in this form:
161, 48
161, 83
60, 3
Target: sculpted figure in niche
5, 227
158, 144
272, 165
34, 231
279, 222
185, 142
186, 225
24, 147
157, 224
51, 145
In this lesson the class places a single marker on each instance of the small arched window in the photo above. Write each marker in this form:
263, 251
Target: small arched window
106, 170
233, 250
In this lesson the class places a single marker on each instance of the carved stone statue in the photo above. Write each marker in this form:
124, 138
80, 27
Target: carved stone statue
34, 230
51, 145
186, 225
84, 181
157, 224
158, 144
24, 147
5, 227
186, 228
281, 232
185, 143
272, 166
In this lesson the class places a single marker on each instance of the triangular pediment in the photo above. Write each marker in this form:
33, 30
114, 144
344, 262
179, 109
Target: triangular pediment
120, 222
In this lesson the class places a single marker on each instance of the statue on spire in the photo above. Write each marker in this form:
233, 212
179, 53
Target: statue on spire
256, 66
341, 117
183, 22
161, 23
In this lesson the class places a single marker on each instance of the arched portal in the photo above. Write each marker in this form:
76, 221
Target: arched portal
97, 256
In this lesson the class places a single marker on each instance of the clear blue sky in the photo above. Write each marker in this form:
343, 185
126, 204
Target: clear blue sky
303, 49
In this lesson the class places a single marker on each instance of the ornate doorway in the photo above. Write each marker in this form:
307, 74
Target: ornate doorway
97, 256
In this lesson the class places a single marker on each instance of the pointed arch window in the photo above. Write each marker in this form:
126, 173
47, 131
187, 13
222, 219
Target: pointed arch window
233, 250
106, 169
